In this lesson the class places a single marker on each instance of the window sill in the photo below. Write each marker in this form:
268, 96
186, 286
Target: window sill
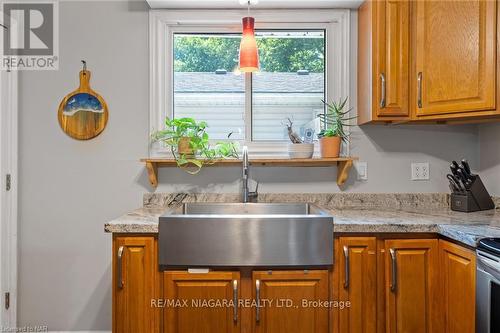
344, 164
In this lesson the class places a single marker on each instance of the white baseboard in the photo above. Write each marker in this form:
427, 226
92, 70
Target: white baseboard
79, 331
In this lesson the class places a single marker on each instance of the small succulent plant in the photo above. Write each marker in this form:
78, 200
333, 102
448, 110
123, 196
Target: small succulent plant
334, 119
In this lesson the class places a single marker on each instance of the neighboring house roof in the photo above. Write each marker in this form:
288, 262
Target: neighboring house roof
263, 82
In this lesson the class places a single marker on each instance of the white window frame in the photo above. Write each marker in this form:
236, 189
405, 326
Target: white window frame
164, 23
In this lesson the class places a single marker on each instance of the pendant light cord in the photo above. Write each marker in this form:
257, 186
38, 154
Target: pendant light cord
248, 7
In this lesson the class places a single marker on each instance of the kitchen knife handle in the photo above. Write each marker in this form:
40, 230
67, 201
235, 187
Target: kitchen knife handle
346, 267
119, 267
419, 92
453, 169
462, 177
393, 270
382, 90
235, 301
466, 166
257, 300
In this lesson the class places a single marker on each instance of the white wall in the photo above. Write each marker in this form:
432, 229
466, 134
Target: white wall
489, 139
68, 188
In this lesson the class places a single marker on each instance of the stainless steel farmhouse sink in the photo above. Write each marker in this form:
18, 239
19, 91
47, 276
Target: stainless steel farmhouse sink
246, 234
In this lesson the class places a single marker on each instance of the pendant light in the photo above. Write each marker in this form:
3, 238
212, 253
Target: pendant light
249, 54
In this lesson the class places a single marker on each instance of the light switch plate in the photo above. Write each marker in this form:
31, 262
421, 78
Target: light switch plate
362, 170
420, 171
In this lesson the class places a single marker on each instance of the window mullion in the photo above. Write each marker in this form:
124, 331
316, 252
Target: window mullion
248, 107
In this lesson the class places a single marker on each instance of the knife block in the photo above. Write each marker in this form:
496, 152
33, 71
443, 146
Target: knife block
476, 198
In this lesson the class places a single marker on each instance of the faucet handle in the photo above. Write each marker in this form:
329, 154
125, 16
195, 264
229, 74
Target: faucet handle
255, 193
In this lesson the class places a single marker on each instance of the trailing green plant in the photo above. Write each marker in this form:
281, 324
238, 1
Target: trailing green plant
334, 118
201, 152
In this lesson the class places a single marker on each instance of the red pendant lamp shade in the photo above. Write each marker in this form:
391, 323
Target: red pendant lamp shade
249, 55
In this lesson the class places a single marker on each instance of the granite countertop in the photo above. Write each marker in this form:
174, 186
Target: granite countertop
466, 228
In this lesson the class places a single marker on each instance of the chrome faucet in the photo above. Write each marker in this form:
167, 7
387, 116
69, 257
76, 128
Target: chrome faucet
246, 194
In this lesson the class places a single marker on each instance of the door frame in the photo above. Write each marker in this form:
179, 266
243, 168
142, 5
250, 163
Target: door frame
8, 198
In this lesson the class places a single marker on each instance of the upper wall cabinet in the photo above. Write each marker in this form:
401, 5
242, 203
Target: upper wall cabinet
383, 61
455, 50
427, 61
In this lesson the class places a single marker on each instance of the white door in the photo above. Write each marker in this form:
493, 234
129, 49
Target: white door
8, 198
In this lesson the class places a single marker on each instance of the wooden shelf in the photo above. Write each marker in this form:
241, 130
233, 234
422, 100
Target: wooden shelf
343, 164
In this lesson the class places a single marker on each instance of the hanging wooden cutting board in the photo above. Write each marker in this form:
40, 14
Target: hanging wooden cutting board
83, 114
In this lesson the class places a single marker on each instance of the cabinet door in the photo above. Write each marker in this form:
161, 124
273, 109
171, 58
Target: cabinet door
284, 298
135, 284
412, 292
393, 29
357, 284
201, 303
455, 56
458, 275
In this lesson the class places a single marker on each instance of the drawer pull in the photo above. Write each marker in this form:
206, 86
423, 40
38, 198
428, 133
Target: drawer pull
346, 267
235, 301
119, 268
393, 270
382, 90
419, 92
257, 299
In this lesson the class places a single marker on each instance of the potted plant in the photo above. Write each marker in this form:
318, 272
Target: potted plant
190, 144
298, 148
332, 131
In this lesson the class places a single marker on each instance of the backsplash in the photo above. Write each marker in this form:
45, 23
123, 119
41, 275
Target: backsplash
375, 201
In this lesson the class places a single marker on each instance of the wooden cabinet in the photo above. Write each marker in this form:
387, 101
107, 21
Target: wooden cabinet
392, 285
295, 297
412, 286
458, 277
135, 284
428, 61
357, 283
455, 57
202, 303
383, 61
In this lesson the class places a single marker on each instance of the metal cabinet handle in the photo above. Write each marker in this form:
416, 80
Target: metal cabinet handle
119, 268
393, 270
235, 300
346, 267
382, 90
419, 88
257, 299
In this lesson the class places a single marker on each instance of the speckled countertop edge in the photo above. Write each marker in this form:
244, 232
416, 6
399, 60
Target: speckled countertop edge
361, 217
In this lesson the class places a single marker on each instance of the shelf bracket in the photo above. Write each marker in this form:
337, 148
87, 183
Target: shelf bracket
343, 168
152, 168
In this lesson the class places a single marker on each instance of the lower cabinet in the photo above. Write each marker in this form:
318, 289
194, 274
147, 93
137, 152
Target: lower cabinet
458, 275
201, 302
416, 285
357, 283
392, 285
135, 284
290, 301
412, 286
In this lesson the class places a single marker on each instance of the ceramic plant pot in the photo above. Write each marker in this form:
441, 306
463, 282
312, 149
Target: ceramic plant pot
183, 147
330, 146
300, 150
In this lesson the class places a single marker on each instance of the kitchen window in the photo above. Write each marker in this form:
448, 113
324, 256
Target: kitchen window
194, 73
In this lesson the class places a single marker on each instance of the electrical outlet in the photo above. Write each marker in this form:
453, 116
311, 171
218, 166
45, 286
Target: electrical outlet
362, 170
420, 171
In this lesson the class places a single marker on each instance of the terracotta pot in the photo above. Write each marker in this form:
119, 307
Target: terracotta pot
330, 146
183, 146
